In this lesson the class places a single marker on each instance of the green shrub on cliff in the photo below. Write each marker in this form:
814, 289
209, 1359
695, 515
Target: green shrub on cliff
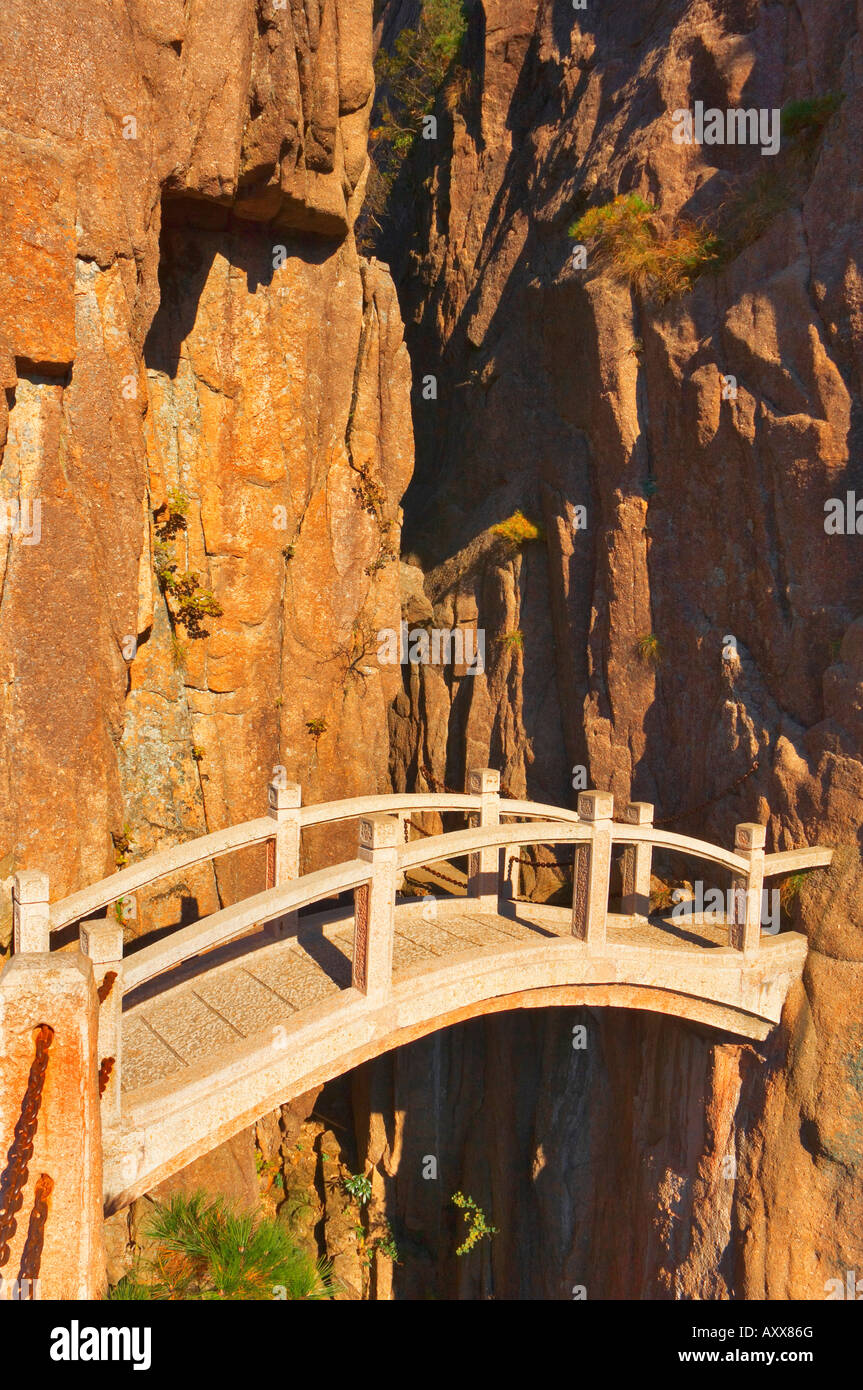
475, 1217
413, 72
207, 1250
408, 79
807, 118
627, 236
518, 529
359, 1186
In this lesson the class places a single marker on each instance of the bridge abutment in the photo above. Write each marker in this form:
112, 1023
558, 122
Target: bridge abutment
51, 1186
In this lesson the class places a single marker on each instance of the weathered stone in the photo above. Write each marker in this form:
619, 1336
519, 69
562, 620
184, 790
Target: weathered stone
561, 387
173, 151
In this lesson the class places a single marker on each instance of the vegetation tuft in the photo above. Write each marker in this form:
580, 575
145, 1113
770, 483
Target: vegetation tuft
518, 529
649, 649
408, 80
628, 236
187, 601
359, 1186
789, 890
478, 1225
754, 203
207, 1250
806, 119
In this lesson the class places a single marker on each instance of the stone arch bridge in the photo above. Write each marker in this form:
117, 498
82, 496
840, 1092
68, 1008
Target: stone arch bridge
120, 1066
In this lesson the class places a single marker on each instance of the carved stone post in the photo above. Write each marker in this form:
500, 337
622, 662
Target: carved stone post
483, 874
30, 921
745, 929
637, 863
283, 851
102, 943
592, 869
50, 1128
375, 906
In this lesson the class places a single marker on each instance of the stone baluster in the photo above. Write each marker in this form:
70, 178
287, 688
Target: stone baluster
484, 866
374, 907
637, 864
31, 924
283, 851
102, 943
745, 927
592, 869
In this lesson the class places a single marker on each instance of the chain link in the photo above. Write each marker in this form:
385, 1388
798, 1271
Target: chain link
106, 1066
702, 805
14, 1179
107, 985
31, 1255
538, 863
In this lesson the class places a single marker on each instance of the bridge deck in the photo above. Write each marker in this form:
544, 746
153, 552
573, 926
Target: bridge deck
216, 999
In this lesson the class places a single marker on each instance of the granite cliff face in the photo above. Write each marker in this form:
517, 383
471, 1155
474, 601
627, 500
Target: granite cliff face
561, 387
207, 400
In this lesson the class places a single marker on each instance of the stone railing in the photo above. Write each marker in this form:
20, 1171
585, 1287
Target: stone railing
78, 996
382, 859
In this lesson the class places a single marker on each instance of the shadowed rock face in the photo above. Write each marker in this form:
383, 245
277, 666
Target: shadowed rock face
183, 311
561, 387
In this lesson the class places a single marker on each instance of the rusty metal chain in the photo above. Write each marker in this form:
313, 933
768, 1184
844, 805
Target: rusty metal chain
106, 1067
413, 825
439, 786
538, 863
447, 878
14, 1179
31, 1255
720, 796
107, 985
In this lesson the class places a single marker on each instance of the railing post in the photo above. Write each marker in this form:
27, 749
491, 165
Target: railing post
30, 920
592, 869
102, 943
745, 927
637, 862
283, 851
375, 907
50, 1128
484, 864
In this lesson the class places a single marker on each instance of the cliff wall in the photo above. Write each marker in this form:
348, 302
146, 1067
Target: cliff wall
561, 387
207, 400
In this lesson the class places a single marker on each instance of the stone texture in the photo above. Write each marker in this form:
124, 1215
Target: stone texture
560, 387
62, 1163
154, 157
